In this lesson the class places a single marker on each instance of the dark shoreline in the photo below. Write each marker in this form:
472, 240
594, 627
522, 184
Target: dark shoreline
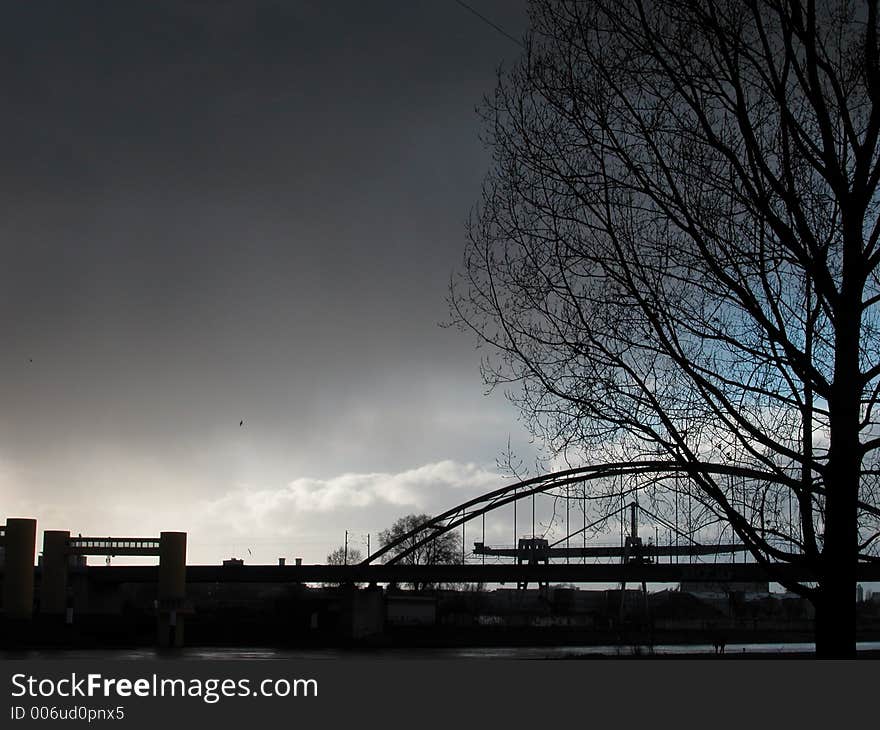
264, 632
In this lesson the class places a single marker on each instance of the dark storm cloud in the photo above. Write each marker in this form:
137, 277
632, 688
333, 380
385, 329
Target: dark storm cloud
241, 142
219, 211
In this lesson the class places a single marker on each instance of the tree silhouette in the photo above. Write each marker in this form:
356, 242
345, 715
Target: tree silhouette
675, 259
445, 549
340, 557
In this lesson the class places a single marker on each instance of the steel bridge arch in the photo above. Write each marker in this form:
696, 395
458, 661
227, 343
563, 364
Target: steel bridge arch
466, 511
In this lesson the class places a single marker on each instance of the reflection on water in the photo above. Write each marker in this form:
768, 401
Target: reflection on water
513, 652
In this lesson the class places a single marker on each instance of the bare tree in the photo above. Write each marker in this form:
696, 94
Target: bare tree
445, 549
343, 556
675, 260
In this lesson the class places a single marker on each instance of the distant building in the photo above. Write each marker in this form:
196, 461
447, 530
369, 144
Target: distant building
702, 587
233, 561
860, 593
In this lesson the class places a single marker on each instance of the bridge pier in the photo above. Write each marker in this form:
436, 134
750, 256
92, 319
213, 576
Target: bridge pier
363, 613
20, 539
53, 580
59, 549
532, 551
172, 589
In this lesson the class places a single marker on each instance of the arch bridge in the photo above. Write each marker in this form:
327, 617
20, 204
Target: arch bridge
637, 561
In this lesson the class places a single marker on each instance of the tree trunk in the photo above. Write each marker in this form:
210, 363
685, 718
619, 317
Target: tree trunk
835, 603
836, 620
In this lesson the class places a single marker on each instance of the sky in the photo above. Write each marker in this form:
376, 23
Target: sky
227, 212
219, 212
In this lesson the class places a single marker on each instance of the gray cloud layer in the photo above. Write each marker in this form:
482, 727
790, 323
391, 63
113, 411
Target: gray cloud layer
226, 211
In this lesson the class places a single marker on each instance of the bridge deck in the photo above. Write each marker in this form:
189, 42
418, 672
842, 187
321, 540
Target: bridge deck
614, 551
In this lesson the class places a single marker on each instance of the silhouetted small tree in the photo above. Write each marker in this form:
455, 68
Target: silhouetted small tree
339, 557
445, 549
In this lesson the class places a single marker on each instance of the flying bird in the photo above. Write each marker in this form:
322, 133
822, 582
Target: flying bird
240, 424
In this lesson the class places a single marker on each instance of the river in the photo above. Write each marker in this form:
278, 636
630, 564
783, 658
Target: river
518, 652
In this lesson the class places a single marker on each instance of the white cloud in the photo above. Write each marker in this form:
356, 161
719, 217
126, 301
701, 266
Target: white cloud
305, 517
421, 489
317, 511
